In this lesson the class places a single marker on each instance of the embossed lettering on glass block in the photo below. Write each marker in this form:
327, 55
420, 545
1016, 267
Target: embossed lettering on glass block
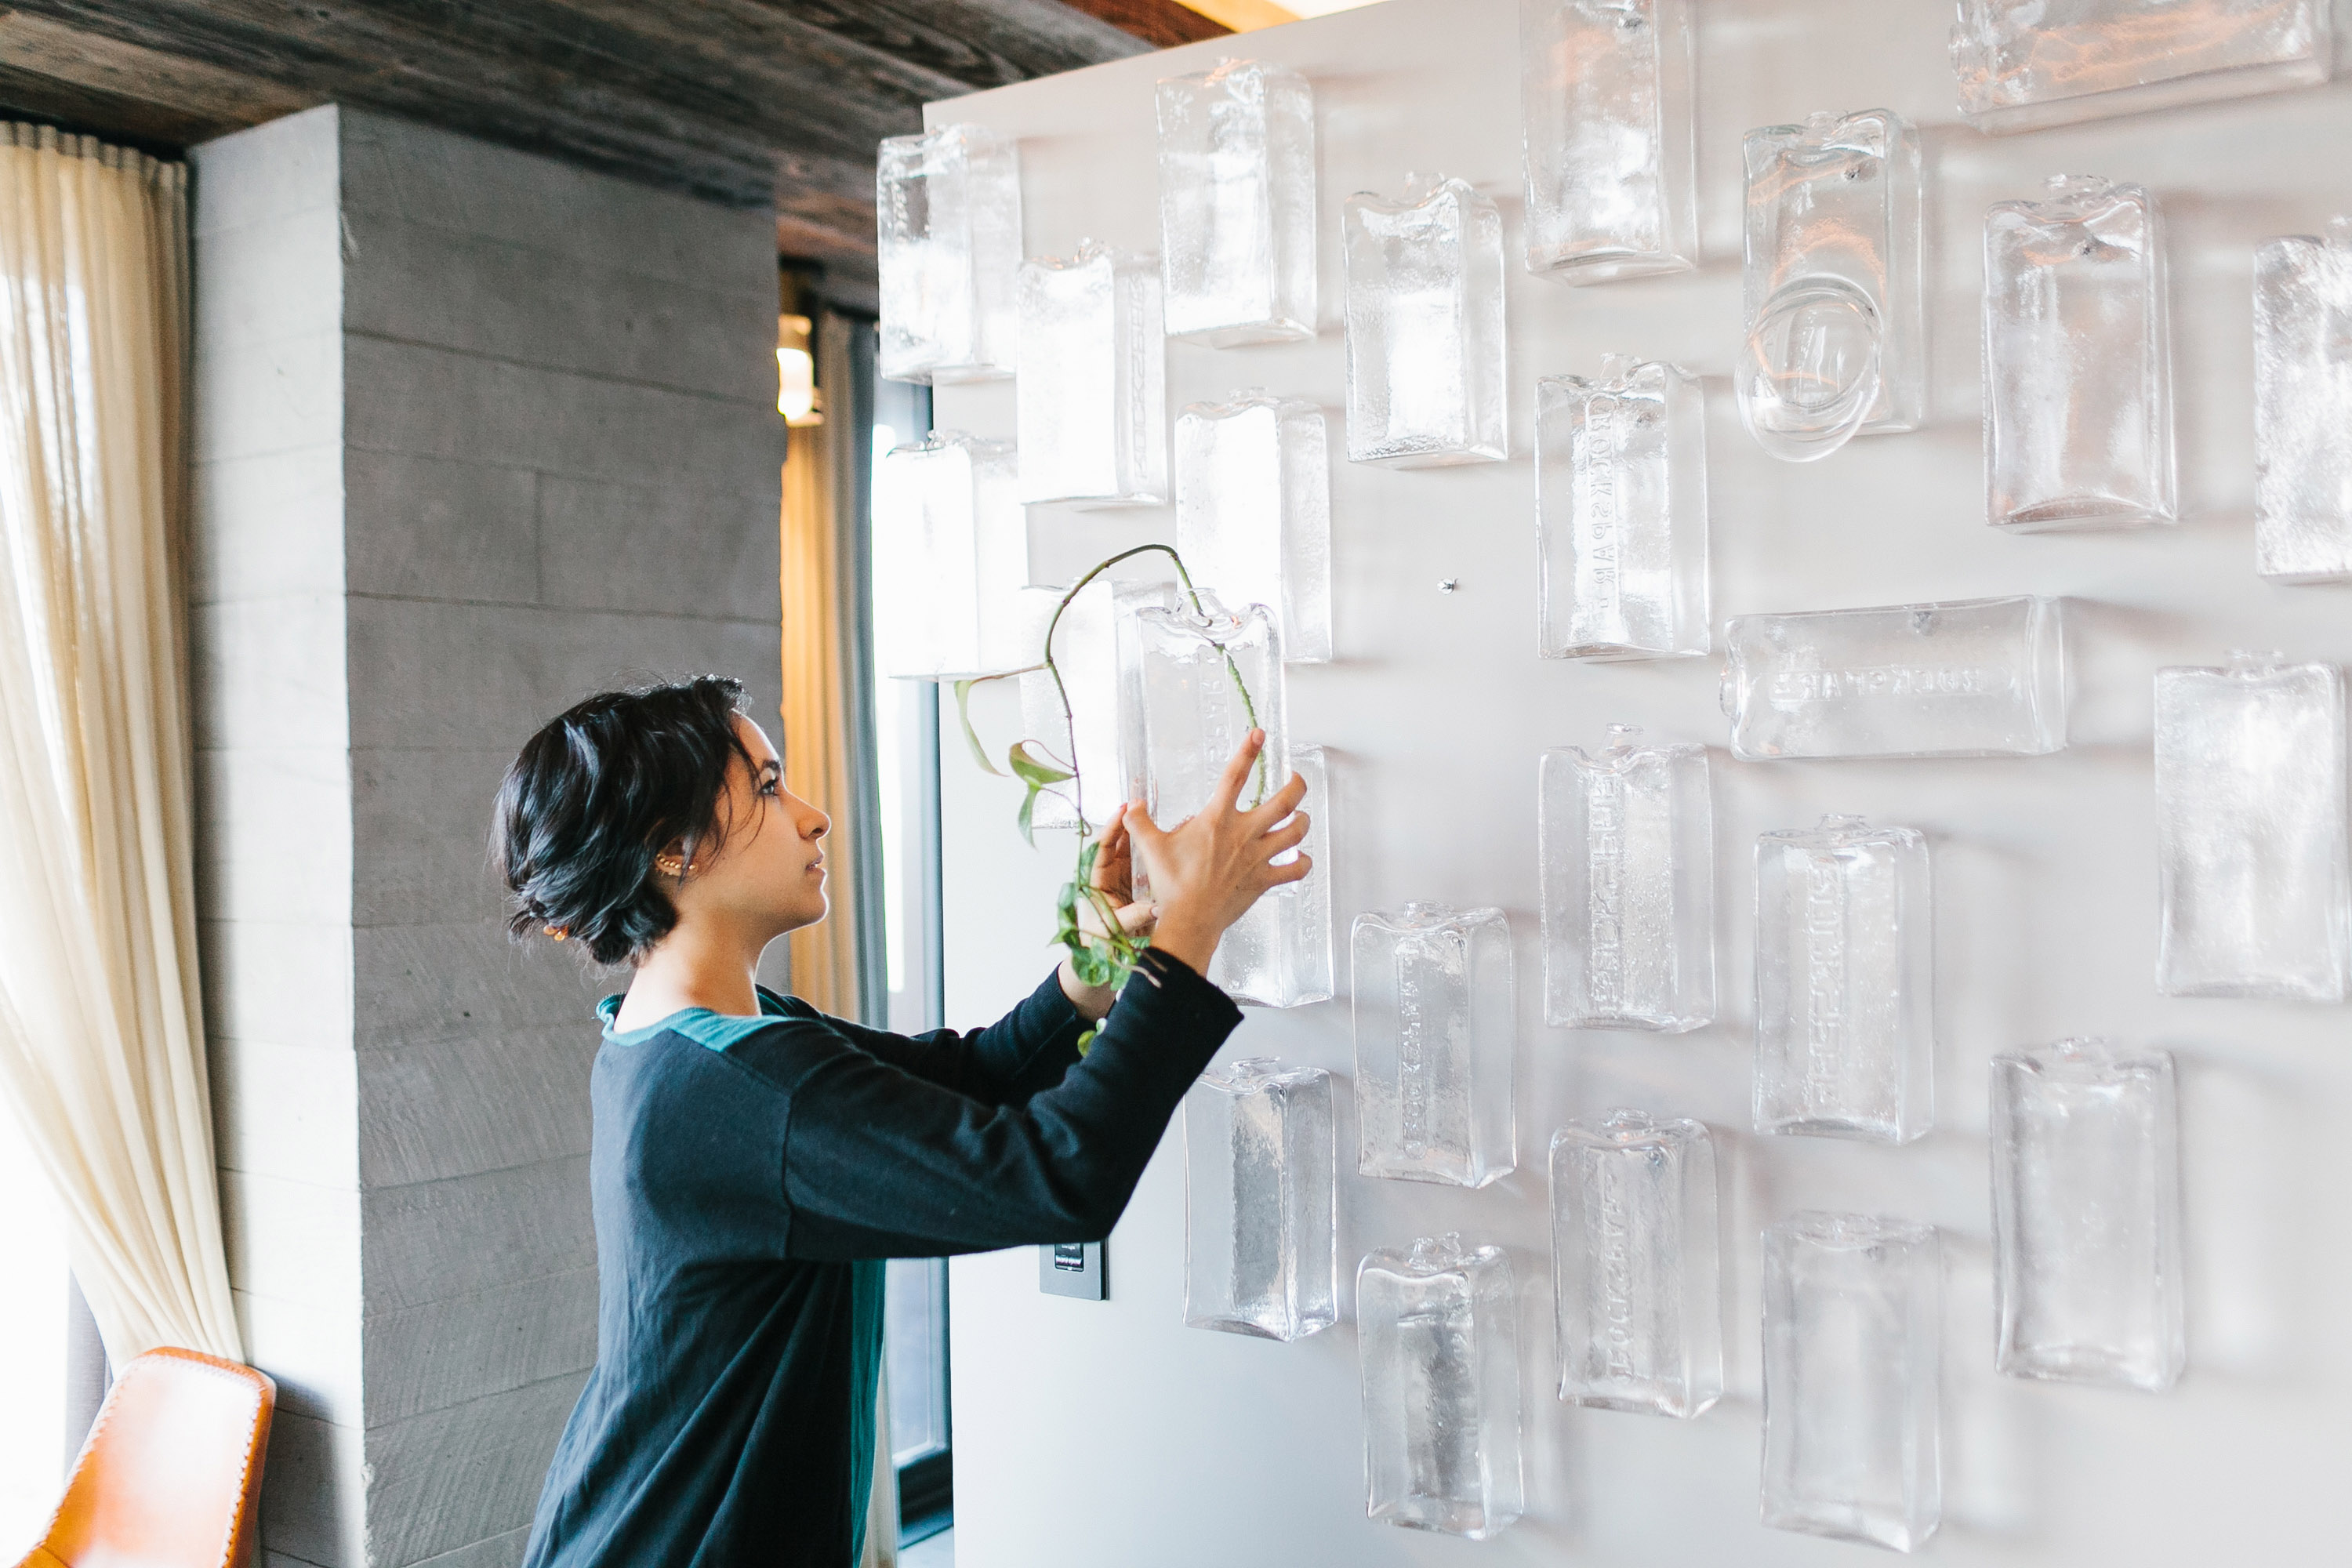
1424, 318
1210, 676
2252, 880
2024, 64
1280, 954
951, 561
2086, 1215
1853, 1323
1830, 285
1091, 400
1621, 513
1969, 678
1433, 1045
2078, 361
1254, 511
1844, 961
1237, 204
2303, 407
1626, 839
1439, 1346
1259, 1231
1606, 94
1635, 1265
949, 210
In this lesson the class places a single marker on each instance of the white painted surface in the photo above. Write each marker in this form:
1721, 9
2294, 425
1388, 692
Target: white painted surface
1112, 1435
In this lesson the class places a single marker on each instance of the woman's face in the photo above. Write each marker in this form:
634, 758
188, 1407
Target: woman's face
768, 871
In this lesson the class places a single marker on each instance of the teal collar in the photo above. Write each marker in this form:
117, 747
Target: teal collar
716, 1031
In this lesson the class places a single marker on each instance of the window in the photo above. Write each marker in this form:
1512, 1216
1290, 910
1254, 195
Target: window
33, 1325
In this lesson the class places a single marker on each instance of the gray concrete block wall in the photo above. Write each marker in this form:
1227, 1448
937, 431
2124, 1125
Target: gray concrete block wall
548, 463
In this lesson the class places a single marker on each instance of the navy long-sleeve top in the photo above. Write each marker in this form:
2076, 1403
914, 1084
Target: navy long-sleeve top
750, 1176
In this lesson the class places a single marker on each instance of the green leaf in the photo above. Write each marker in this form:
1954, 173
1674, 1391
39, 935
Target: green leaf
1028, 810
1030, 770
970, 736
1086, 1041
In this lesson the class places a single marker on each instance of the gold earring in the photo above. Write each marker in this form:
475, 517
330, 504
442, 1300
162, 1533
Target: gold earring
669, 864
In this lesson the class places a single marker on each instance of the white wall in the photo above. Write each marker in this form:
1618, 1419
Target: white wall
1112, 1435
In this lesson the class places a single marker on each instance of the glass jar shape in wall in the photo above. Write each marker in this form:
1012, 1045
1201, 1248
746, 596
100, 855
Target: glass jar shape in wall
1438, 1345
2303, 407
951, 561
2254, 886
2077, 361
2086, 1215
1237, 204
1091, 401
1425, 326
1095, 713
1278, 953
1844, 970
1253, 510
1626, 840
1621, 513
1435, 1039
1831, 283
1259, 1227
1209, 675
1607, 111
1635, 1264
947, 247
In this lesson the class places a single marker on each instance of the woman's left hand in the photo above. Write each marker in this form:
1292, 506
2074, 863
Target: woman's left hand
1113, 878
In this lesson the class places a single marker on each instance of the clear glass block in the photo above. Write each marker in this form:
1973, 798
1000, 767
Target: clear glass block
1626, 840
1091, 401
1210, 676
951, 561
1104, 701
2303, 407
1605, 91
1434, 1038
2025, 64
1844, 972
1254, 511
1621, 513
1237, 204
1967, 677
2078, 361
2253, 885
2086, 1215
1635, 1265
1260, 1229
1424, 318
1830, 286
1853, 1323
1439, 1344
1129, 601
948, 242
1280, 954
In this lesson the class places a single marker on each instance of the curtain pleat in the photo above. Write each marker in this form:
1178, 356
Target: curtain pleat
101, 1039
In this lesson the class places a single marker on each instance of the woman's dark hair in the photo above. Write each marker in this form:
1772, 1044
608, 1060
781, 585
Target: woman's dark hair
601, 791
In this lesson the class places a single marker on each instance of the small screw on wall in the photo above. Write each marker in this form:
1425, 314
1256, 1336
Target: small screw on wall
1447, 585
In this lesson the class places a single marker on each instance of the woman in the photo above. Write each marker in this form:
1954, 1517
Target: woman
755, 1161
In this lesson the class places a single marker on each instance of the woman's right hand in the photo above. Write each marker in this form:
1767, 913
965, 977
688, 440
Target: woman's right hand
1209, 869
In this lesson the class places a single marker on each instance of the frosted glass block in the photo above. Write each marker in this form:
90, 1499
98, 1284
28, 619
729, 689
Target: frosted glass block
1439, 1344
1626, 839
1254, 511
1621, 513
1967, 677
951, 561
1434, 1032
1844, 967
2086, 1215
1091, 402
1237, 204
1853, 1319
2024, 64
2078, 361
1260, 1234
1606, 96
1424, 318
1831, 284
1102, 683
2252, 881
949, 210
1210, 676
1635, 1264
1280, 954
2303, 407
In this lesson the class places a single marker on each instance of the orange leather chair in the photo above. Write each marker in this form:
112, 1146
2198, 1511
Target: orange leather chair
171, 1477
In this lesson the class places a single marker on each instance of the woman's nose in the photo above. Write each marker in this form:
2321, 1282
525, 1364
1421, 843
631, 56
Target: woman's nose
818, 826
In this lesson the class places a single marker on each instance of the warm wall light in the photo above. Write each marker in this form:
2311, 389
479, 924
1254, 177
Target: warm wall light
796, 397
1249, 16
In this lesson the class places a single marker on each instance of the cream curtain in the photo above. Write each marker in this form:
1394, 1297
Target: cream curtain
101, 1043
